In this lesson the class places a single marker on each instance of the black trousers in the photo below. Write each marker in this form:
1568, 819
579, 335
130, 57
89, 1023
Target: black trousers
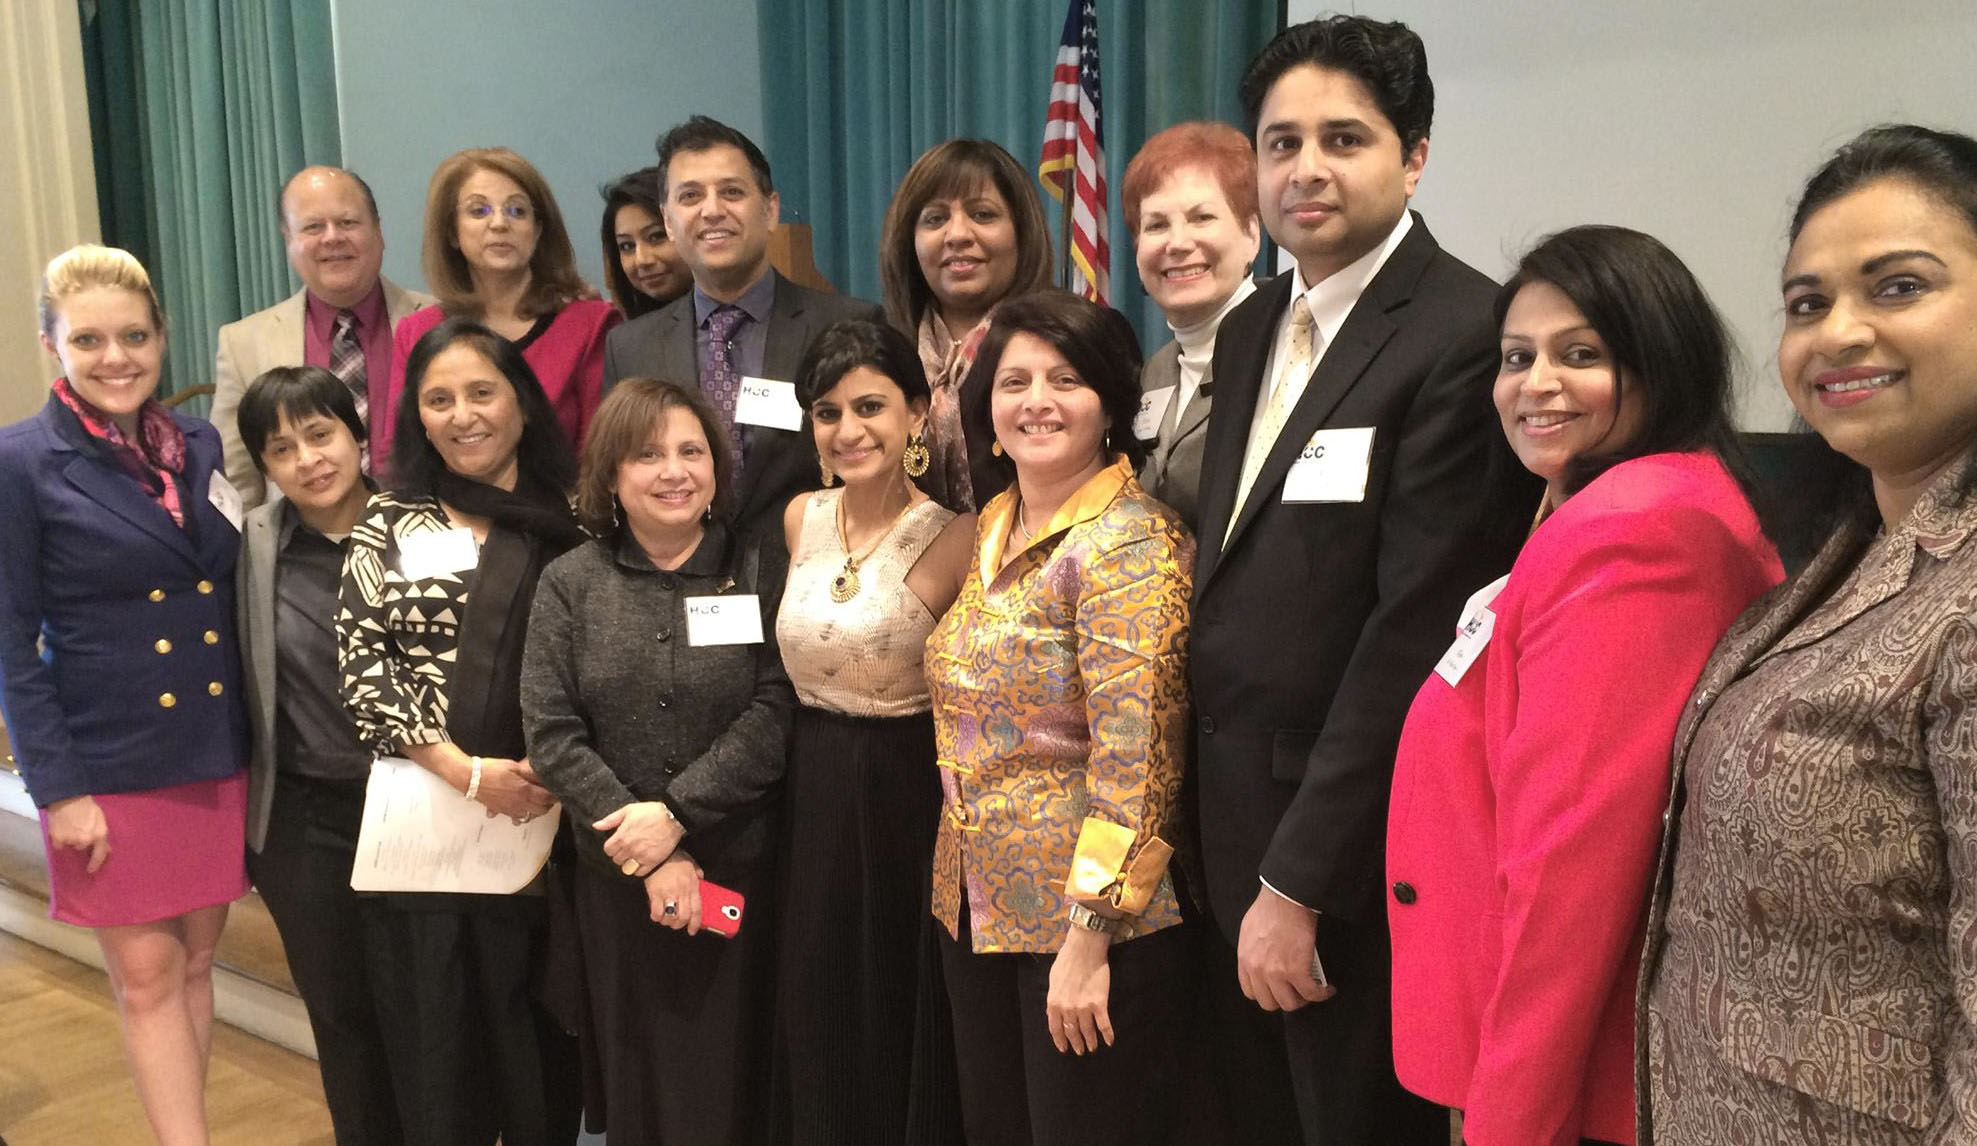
303, 873
1322, 1075
1018, 1090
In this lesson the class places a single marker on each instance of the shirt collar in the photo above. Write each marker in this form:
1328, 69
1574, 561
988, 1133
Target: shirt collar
754, 302
370, 312
1333, 297
707, 559
1091, 498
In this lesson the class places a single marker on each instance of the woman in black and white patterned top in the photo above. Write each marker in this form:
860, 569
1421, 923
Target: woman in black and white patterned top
432, 619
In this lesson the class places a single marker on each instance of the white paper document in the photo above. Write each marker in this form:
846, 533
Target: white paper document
419, 834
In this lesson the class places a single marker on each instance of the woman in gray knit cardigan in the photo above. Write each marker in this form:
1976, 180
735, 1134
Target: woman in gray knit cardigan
657, 712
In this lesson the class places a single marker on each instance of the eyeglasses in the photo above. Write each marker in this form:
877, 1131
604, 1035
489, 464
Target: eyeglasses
480, 209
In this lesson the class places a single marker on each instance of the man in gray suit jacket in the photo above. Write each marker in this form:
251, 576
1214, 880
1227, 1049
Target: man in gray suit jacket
329, 221
741, 320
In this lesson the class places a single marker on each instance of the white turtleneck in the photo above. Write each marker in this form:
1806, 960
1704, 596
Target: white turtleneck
1198, 348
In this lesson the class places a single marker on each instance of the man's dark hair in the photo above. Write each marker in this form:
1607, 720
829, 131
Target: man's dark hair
1386, 57
281, 196
701, 133
295, 393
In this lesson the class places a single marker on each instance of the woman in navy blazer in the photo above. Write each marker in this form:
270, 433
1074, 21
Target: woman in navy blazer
118, 534
1533, 766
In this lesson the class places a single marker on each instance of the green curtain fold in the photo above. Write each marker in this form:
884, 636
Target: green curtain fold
854, 90
200, 110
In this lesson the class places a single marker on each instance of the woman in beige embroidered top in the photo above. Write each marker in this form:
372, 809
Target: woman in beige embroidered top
964, 231
1811, 963
873, 564
1059, 684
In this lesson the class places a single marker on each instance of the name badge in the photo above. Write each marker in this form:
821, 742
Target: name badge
1331, 467
732, 620
766, 402
425, 555
1153, 413
225, 498
1472, 636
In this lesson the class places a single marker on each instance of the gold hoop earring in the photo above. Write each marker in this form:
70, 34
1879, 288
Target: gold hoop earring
917, 457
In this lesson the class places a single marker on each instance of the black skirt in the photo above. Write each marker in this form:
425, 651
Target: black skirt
861, 805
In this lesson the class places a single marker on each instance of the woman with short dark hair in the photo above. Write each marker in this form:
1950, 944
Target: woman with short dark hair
658, 712
1809, 971
1059, 688
874, 563
433, 612
1533, 766
496, 252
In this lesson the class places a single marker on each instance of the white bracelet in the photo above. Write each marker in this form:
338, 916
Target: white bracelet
474, 782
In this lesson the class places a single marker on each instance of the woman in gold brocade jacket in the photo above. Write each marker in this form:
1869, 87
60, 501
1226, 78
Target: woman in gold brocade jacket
1060, 701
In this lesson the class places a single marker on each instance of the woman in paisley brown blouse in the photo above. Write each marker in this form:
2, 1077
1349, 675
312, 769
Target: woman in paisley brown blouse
1811, 972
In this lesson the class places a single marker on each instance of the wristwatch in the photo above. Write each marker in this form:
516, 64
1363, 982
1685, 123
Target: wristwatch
1085, 917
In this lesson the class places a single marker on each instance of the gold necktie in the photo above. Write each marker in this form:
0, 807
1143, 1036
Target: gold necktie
1284, 393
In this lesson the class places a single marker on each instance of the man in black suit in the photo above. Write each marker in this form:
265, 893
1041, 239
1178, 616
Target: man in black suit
741, 324
1346, 500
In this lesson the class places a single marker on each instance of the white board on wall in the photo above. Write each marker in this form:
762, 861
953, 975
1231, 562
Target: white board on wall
1694, 121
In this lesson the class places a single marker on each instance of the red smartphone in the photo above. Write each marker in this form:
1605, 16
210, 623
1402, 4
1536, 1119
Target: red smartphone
720, 909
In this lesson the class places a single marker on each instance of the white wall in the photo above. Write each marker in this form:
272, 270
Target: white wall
1694, 121
581, 88
47, 179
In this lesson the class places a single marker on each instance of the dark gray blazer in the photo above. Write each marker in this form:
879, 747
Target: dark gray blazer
780, 463
1172, 471
254, 603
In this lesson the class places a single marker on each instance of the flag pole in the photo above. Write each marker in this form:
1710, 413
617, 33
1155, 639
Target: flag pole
1067, 199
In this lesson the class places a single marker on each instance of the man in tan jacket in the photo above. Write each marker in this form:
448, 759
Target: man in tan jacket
341, 319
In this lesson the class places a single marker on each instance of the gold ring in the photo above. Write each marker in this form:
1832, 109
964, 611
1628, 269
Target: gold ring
629, 867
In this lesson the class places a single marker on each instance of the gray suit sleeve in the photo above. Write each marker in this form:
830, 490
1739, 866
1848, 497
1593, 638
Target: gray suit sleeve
228, 386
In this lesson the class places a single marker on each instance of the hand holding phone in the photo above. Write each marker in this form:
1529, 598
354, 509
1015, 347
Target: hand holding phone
720, 909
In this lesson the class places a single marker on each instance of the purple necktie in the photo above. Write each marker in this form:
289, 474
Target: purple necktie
723, 381
346, 361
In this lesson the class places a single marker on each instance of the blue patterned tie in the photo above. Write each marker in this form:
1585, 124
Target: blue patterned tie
723, 381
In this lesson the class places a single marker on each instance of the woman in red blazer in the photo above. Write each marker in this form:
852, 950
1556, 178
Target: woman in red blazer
1533, 767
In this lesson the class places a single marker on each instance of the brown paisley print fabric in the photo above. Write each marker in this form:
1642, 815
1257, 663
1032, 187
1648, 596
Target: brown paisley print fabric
1811, 975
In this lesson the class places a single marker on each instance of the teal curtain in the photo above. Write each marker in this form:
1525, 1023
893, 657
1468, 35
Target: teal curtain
854, 90
200, 110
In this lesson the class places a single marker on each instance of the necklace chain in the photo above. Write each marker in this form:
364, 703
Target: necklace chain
845, 585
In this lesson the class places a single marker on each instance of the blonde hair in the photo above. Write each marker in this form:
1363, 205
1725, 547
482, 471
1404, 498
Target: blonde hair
554, 281
87, 267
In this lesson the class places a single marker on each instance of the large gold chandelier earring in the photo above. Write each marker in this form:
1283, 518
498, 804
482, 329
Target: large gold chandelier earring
824, 471
917, 457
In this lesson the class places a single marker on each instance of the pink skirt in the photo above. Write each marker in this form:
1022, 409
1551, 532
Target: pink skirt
172, 850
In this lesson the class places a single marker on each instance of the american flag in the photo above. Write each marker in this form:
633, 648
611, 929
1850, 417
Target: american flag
1074, 152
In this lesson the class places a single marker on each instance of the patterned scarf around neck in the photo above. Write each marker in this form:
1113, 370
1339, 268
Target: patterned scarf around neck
152, 460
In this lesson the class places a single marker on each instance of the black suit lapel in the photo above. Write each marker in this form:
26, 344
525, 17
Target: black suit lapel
678, 357
1242, 353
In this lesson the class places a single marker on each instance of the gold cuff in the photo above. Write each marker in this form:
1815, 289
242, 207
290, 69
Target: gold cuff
1106, 867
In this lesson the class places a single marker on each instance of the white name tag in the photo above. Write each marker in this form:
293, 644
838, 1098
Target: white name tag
424, 555
766, 402
225, 498
1153, 413
1472, 636
730, 620
1332, 466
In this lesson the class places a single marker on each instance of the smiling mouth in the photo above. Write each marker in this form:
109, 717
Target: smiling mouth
471, 439
1034, 429
1851, 385
1182, 274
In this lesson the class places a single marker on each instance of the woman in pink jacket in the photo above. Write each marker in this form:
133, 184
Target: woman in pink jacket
1533, 767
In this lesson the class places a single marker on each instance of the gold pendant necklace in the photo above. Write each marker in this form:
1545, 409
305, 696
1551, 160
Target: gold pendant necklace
845, 585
